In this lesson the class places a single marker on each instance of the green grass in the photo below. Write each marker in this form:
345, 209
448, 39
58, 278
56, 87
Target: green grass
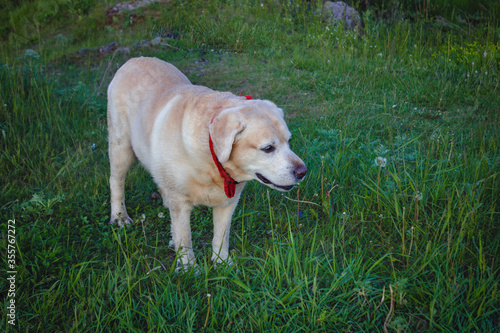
411, 246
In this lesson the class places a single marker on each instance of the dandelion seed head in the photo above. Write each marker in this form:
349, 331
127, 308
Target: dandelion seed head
381, 162
160, 215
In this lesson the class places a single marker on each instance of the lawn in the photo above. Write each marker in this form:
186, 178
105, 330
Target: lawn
395, 228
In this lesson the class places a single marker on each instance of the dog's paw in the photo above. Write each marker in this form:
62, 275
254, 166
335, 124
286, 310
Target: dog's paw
188, 268
227, 265
218, 261
121, 221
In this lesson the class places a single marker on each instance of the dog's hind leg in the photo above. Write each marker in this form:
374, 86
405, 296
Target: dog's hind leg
121, 157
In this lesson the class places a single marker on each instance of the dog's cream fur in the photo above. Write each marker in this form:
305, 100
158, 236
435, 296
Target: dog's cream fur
156, 115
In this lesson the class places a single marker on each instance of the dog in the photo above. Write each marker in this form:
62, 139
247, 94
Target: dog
201, 146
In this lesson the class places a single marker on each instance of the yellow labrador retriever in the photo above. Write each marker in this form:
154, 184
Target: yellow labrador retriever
201, 146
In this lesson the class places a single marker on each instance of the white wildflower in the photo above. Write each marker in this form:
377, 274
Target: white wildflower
29, 53
381, 162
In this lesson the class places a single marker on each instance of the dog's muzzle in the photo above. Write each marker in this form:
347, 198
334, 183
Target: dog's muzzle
299, 172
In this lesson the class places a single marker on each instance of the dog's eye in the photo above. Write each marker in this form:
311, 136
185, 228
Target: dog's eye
268, 149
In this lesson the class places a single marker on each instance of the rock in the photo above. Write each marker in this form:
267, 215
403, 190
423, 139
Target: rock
124, 50
142, 44
108, 48
342, 13
156, 41
83, 51
130, 6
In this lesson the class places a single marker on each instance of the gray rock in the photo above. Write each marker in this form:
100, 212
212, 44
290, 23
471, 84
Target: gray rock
340, 12
108, 48
142, 44
130, 6
124, 50
156, 41
83, 51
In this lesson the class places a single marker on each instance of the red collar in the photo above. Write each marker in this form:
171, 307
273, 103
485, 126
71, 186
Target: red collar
229, 182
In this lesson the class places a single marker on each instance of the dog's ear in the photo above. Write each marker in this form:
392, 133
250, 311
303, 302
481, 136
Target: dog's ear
223, 130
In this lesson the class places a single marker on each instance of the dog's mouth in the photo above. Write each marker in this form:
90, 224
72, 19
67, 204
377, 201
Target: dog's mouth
268, 182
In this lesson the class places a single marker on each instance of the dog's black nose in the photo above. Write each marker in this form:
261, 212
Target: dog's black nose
300, 171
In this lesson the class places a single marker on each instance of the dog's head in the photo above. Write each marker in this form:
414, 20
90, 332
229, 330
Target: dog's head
251, 141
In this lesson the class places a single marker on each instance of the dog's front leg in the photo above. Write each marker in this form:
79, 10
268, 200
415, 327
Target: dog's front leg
222, 225
181, 233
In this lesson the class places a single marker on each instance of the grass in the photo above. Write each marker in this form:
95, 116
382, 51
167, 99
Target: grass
410, 246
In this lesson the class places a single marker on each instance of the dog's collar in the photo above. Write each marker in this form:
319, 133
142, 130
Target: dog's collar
229, 182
